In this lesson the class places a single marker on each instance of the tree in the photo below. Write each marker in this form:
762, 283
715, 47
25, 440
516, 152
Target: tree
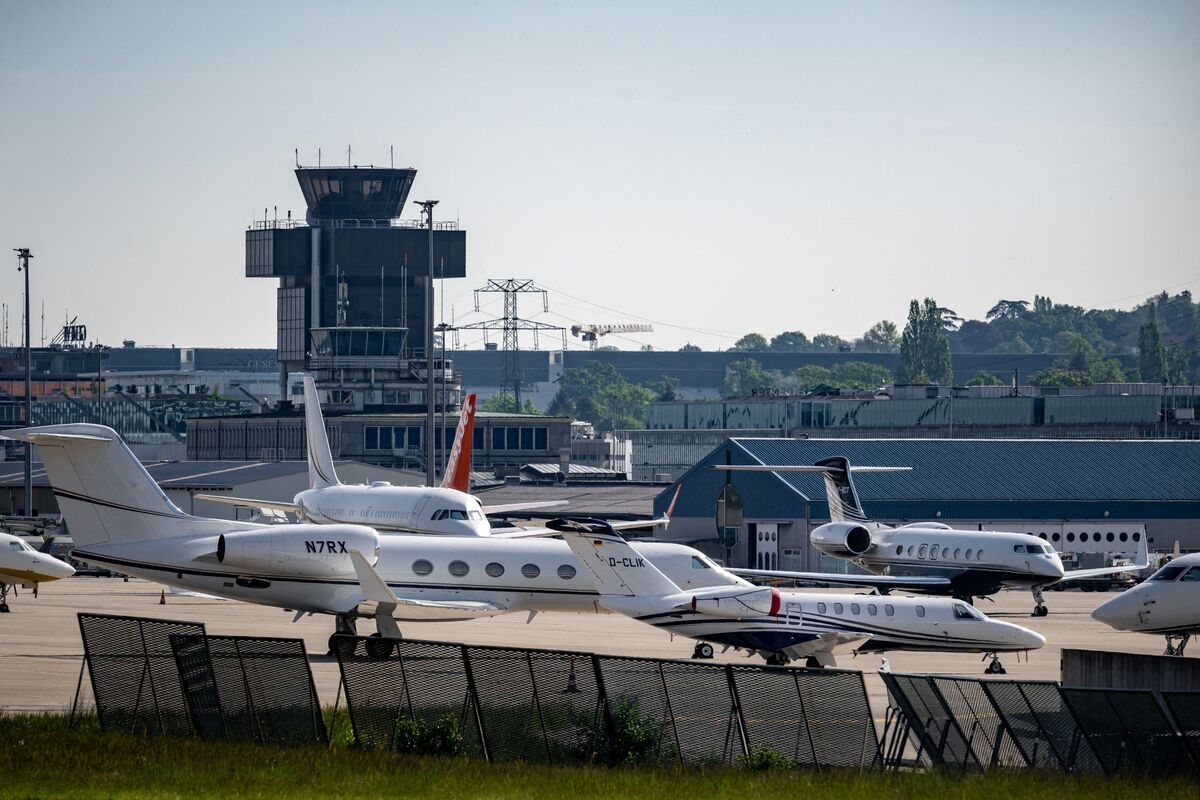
1178, 362
828, 343
1056, 376
747, 377
1108, 370
1016, 345
1008, 309
689, 348
790, 342
599, 394
502, 403
1152, 357
751, 343
665, 390
924, 349
882, 337
948, 320
985, 379
859, 375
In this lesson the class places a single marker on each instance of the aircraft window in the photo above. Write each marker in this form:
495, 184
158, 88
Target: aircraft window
698, 563
1124, 536
1111, 536
1137, 537
531, 570
899, 549
933, 552
957, 552
458, 568
439, 514
920, 611
476, 515
979, 555
968, 553
422, 567
872, 610
457, 514
922, 551
1192, 574
838, 608
890, 610
1167, 573
1018, 548
821, 608
494, 570
855, 608
15, 546
1070, 537
566, 572
964, 611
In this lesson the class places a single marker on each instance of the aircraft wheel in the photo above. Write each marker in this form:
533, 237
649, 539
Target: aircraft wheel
340, 644
703, 650
1041, 611
3, 608
378, 647
812, 663
777, 660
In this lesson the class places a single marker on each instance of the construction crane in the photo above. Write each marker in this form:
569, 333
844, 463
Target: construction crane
590, 333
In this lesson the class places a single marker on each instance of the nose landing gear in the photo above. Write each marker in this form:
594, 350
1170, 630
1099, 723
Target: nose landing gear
1174, 649
995, 667
1039, 609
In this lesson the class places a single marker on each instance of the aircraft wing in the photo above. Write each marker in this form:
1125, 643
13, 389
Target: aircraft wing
1143, 562
931, 584
822, 647
387, 604
505, 508
623, 525
273, 505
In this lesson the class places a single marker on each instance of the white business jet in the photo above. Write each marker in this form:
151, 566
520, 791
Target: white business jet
1167, 604
120, 518
781, 626
21, 565
926, 557
446, 509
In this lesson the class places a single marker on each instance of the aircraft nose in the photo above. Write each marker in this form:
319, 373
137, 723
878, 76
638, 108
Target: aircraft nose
1121, 612
1030, 640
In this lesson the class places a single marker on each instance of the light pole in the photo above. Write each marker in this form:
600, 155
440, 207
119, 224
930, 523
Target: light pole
427, 209
23, 256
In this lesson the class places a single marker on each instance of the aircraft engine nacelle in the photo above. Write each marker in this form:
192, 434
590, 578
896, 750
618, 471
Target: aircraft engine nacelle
842, 539
315, 551
737, 602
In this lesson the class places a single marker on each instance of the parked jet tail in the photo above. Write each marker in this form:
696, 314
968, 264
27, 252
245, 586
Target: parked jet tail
104, 492
458, 462
321, 473
844, 505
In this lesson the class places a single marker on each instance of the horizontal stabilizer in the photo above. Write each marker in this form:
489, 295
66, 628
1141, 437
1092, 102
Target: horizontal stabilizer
623, 525
799, 468
1143, 562
245, 502
506, 508
36, 436
375, 590
915, 583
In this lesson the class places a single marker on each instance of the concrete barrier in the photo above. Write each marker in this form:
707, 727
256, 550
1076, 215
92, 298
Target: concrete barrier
1107, 670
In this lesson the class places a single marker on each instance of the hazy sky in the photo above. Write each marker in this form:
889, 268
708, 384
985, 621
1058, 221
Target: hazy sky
714, 167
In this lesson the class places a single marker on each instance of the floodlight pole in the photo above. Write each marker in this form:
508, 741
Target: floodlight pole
430, 477
23, 256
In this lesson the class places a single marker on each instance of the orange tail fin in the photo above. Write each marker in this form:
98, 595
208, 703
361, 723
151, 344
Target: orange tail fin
458, 464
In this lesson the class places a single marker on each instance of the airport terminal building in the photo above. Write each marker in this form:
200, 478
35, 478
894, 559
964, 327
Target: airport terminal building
1090, 499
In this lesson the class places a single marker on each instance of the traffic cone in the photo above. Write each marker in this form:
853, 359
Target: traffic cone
162, 597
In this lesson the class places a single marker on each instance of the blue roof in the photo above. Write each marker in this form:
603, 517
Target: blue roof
979, 476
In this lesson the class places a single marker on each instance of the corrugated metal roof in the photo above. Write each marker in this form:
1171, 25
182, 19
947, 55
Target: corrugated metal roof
997, 469
607, 500
573, 469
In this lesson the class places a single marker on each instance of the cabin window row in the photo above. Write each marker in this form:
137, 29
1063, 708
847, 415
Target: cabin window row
494, 569
934, 552
872, 609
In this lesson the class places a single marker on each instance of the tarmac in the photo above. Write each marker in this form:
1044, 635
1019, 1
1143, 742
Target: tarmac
41, 651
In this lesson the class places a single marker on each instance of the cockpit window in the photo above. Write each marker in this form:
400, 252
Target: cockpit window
1168, 573
457, 514
964, 611
1192, 574
15, 546
439, 515
476, 515
698, 563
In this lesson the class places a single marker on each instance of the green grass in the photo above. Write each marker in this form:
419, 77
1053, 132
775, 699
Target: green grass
40, 757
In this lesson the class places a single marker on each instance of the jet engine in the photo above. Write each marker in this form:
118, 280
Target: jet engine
843, 539
737, 602
316, 551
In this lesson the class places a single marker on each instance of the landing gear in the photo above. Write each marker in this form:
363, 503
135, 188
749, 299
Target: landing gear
1174, 649
995, 667
703, 650
1039, 609
379, 647
777, 659
3, 598
344, 625
812, 663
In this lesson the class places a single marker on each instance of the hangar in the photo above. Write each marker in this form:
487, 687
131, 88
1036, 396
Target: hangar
1088, 498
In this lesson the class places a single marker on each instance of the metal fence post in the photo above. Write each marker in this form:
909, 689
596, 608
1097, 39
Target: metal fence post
662, 677
537, 704
737, 710
162, 730
603, 707
473, 696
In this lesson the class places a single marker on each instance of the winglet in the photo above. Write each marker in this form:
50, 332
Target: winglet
373, 585
458, 462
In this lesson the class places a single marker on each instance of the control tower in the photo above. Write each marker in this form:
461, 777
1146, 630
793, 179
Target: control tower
352, 280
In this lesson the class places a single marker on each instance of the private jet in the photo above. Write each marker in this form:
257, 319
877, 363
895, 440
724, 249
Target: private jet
926, 557
446, 509
782, 626
1167, 604
21, 565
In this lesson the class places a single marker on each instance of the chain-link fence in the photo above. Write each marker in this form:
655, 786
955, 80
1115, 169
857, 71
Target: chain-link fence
511, 704
984, 724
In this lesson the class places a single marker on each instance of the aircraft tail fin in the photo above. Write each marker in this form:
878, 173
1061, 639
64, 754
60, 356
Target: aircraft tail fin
104, 492
617, 567
458, 462
844, 505
321, 473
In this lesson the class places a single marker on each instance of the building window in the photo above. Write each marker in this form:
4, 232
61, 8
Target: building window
514, 438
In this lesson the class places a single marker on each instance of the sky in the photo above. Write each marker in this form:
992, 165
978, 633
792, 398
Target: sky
713, 168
